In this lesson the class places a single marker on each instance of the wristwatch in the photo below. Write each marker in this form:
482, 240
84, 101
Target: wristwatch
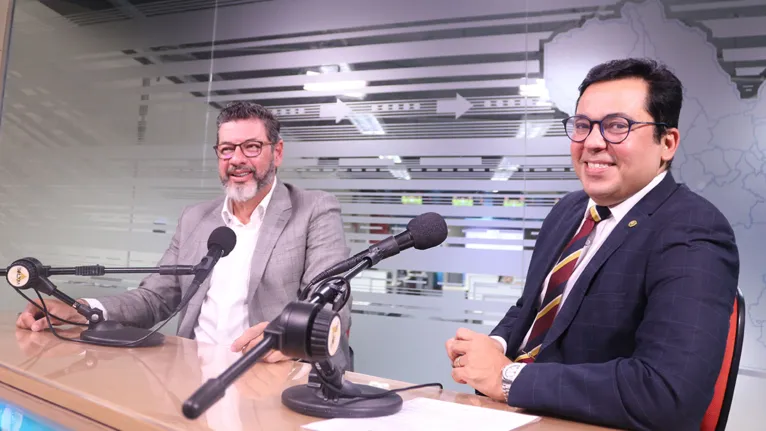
510, 372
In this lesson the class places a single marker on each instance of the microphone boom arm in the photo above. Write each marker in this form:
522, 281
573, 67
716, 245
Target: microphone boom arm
29, 273
98, 270
94, 315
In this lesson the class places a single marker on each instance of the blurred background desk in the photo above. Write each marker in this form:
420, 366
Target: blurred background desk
67, 385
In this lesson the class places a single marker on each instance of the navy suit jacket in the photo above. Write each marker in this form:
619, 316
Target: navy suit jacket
640, 339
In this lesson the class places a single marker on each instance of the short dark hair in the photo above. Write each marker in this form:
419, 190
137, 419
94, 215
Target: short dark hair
666, 92
242, 110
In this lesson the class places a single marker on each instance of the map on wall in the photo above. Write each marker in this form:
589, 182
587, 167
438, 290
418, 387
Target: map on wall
722, 155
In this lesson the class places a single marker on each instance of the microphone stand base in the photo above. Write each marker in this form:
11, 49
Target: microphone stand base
109, 333
310, 401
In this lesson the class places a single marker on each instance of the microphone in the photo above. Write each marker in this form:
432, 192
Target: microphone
423, 232
219, 244
31, 273
306, 330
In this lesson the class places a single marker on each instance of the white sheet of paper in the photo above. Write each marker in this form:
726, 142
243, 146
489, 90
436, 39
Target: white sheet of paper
428, 414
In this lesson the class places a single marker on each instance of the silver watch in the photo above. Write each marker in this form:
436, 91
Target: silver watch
510, 372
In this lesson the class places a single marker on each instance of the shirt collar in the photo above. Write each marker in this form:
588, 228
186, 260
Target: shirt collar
620, 210
260, 211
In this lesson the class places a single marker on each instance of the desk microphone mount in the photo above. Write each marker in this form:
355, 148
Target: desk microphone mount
308, 331
29, 273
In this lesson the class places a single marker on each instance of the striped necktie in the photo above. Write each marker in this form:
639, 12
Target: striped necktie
558, 281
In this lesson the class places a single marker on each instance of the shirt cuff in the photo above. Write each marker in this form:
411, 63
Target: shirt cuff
501, 341
95, 303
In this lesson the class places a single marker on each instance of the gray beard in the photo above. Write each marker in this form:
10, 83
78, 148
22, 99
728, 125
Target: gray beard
245, 192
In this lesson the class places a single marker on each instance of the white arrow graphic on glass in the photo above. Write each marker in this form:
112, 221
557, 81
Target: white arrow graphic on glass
337, 110
458, 106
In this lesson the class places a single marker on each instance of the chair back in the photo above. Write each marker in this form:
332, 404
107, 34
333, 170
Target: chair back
717, 413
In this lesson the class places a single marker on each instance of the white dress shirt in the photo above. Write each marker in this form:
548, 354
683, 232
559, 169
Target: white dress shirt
224, 315
592, 244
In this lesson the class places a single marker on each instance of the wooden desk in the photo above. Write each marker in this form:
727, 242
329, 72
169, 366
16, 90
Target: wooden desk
87, 387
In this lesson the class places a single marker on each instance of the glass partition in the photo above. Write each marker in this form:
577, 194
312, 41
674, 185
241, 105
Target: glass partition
396, 107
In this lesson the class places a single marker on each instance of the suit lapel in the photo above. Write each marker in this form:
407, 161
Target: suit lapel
277, 214
640, 212
562, 231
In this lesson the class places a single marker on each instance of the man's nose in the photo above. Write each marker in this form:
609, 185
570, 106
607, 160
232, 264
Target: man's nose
595, 140
238, 157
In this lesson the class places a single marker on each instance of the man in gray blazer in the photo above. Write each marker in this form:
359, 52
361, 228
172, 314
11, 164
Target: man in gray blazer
285, 237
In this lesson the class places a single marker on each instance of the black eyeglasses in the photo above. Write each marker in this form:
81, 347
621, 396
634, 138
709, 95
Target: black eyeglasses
614, 128
250, 149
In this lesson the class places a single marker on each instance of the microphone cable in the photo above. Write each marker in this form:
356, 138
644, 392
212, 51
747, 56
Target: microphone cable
44, 310
340, 391
48, 315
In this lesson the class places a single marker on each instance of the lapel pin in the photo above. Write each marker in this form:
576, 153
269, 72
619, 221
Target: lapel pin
632, 223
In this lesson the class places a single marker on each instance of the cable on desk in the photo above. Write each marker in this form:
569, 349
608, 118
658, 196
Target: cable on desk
340, 391
78, 340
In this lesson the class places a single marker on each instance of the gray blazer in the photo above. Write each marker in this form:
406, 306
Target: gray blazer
302, 235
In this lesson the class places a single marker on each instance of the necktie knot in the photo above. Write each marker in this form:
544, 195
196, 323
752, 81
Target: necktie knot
598, 213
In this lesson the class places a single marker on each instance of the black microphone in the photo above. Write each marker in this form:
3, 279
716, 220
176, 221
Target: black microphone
31, 273
423, 232
308, 331
219, 244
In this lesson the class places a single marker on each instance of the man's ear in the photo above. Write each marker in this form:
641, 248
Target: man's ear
278, 149
669, 143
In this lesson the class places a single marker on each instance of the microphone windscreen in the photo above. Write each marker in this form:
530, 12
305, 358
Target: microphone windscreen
223, 237
427, 230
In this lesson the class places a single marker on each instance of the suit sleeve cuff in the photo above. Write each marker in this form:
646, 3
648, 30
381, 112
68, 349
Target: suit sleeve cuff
501, 341
95, 303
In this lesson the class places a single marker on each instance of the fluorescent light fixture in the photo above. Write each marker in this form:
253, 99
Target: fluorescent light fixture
495, 234
345, 88
400, 174
395, 159
537, 90
531, 130
495, 247
508, 163
340, 87
505, 169
367, 124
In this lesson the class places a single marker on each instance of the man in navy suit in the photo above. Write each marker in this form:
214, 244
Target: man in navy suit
624, 317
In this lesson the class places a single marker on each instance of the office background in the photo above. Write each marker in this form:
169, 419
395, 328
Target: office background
397, 107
